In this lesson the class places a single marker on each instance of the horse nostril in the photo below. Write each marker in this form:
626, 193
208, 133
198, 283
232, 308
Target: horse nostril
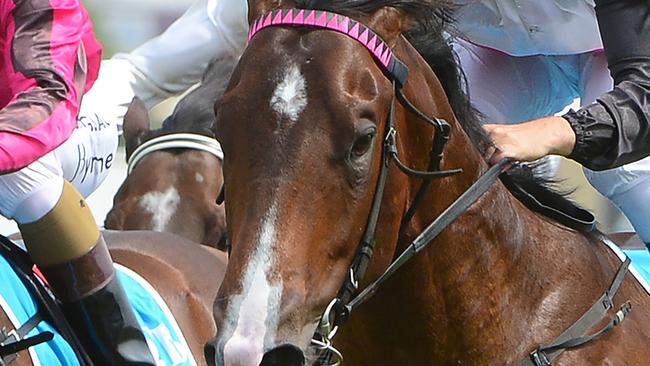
210, 352
284, 355
224, 243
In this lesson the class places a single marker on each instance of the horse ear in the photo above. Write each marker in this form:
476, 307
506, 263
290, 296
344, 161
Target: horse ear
389, 23
257, 8
136, 125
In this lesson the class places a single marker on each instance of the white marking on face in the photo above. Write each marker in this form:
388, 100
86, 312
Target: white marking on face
290, 96
161, 205
199, 178
259, 303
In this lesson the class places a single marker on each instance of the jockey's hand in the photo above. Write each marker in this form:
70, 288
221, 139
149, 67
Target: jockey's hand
531, 140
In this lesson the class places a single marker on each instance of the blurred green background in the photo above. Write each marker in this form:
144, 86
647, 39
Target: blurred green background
121, 25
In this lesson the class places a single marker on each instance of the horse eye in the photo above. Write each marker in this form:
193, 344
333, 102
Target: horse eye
362, 144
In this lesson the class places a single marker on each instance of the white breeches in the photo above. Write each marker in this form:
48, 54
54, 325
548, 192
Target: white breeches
84, 160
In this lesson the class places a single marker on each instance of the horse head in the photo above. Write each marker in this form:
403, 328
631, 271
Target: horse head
174, 173
304, 123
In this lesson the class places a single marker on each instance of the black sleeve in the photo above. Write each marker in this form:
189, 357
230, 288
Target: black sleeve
615, 130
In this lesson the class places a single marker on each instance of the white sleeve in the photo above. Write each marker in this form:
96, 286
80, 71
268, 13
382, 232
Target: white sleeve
172, 62
175, 60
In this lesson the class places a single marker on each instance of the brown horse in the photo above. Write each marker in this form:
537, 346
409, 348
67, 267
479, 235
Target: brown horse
175, 173
303, 126
169, 263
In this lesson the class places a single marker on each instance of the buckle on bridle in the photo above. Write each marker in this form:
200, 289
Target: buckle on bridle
6, 338
390, 142
390, 137
540, 358
326, 332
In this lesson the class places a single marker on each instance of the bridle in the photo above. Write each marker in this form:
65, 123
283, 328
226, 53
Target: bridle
340, 308
175, 141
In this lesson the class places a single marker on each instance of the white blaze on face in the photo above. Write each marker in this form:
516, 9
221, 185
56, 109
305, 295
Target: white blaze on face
199, 177
161, 205
254, 313
290, 96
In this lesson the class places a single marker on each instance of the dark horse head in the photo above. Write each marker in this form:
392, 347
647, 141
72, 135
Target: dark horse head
303, 124
172, 187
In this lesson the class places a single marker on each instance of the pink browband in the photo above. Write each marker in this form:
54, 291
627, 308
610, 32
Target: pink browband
339, 23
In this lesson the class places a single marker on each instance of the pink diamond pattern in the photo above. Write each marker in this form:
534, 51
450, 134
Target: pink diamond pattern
278, 18
354, 32
363, 38
333, 23
311, 18
322, 20
379, 49
300, 17
288, 19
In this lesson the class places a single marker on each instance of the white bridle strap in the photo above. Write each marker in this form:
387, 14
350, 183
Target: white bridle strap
175, 141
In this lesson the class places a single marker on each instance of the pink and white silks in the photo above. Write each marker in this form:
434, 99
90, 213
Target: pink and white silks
50, 57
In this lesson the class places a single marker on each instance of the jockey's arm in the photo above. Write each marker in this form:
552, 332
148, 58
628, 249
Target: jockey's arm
616, 129
172, 62
613, 131
177, 59
45, 79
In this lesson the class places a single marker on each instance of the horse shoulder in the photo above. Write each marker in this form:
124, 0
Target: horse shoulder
185, 274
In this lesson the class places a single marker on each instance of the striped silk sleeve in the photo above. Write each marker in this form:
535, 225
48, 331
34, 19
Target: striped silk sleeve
45, 65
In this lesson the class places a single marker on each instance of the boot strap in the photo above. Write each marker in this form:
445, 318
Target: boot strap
13, 341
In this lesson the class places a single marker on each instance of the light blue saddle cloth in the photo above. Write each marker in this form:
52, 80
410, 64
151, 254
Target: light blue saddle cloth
641, 261
163, 335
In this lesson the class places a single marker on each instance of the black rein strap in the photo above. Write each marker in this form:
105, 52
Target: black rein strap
367, 246
345, 302
453, 212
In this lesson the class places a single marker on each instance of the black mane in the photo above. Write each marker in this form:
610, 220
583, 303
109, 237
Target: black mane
432, 37
194, 113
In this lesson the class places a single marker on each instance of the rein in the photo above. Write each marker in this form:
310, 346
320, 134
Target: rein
175, 141
342, 306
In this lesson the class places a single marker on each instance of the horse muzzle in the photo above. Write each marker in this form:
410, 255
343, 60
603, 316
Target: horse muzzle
283, 355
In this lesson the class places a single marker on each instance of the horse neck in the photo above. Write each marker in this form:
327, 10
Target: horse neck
482, 276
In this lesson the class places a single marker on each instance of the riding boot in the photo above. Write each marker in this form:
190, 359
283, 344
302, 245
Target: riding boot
72, 255
108, 328
102, 317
